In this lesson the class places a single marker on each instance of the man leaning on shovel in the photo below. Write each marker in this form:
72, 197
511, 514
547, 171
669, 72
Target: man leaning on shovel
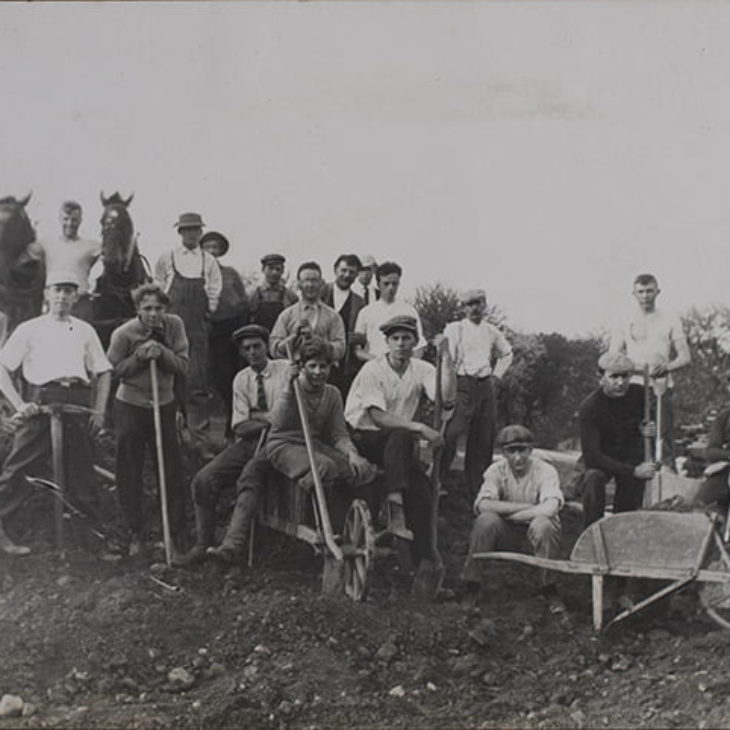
60, 358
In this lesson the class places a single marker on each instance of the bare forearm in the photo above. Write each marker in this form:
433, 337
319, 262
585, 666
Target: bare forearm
8, 388
548, 508
390, 422
503, 508
101, 391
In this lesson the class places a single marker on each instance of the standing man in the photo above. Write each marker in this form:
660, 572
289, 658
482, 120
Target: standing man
376, 314
611, 437
60, 358
272, 297
152, 335
655, 338
71, 253
310, 317
481, 356
342, 299
520, 498
364, 286
231, 314
192, 280
255, 389
380, 409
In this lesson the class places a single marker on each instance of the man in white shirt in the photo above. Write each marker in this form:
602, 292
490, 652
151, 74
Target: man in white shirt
364, 286
70, 252
475, 345
655, 338
59, 356
520, 497
380, 409
192, 279
254, 390
371, 318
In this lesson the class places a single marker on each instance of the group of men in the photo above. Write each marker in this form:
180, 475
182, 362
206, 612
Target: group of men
354, 351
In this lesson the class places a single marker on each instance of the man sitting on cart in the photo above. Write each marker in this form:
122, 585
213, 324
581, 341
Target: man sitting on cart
335, 456
520, 497
60, 357
255, 389
381, 406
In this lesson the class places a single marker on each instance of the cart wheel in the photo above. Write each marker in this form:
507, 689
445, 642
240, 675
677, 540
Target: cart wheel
715, 597
358, 538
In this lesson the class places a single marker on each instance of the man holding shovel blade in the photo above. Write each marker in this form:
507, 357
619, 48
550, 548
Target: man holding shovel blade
60, 357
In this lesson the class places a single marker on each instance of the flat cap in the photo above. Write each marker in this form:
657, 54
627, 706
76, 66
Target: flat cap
368, 262
400, 322
62, 277
250, 330
472, 295
272, 258
189, 220
515, 435
215, 236
615, 362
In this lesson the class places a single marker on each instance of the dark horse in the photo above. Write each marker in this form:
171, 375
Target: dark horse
124, 268
22, 269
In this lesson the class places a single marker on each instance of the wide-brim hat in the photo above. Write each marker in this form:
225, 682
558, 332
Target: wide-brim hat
189, 220
215, 236
55, 278
250, 330
515, 435
400, 322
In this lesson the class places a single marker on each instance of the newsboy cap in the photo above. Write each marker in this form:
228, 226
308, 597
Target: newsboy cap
250, 330
272, 258
615, 362
56, 278
515, 435
215, 236
189, 220
400, 322
471, 295
367, 262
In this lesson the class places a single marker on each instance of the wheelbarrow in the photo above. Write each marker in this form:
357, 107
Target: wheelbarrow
678, 547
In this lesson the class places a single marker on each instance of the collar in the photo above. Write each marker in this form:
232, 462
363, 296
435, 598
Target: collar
194, 251
265, 373
310, 305
265, 286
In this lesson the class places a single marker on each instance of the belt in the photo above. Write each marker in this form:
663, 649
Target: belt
474, 377
64, 382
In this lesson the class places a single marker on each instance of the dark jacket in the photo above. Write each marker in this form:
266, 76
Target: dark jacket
353, 304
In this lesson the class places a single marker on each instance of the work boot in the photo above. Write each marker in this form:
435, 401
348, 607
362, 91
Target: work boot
395, 516
235, 541
204, 534
9, 547
194, 556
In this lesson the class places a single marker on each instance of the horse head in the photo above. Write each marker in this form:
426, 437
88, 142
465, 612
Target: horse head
117, 233
16, 232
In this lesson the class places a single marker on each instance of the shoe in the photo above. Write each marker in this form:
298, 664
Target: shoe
223, 555
196, 555
471, 595
9, 547
136, 547
396, 520
555, 603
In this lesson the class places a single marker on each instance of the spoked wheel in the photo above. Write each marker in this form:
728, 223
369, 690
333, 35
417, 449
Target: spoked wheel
715, 596
358, 545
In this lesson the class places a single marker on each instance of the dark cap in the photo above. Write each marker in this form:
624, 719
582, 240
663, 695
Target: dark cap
215, 236
189, 220
272, 258
250, 330
400, 322
515, 435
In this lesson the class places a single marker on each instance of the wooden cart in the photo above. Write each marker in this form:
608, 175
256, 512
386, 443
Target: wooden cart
667, 546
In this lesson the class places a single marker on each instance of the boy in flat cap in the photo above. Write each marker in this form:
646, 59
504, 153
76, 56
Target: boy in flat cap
231, 314
255, 389
60, 358
520, 497
192, 280
364, 286
474, 345
380, 409
270, 298
611, 437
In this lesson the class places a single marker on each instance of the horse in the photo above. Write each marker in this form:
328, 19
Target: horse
22, 267
124, 268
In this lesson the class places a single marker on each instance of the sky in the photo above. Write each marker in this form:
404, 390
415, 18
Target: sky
545, 151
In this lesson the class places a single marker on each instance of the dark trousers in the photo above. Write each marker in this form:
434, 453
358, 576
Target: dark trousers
31, 452
714, 490
224, 362
135, 430
475, 415
214, 479
628, 497
394, 452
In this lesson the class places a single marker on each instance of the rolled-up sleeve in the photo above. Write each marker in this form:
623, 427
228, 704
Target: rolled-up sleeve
213, 281
490, 486
549, 483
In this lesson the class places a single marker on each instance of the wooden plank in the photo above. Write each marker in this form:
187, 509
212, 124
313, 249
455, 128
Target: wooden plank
599, 545
597, 586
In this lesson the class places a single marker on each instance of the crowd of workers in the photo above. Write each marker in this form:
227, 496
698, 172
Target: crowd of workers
355, 350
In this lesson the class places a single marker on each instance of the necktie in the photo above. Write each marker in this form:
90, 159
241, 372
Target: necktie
366, 295
260, 393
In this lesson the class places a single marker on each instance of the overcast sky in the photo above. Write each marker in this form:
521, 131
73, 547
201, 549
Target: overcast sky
545, 151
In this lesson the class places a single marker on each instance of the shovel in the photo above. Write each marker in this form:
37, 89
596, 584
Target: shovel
160, 461
430, 573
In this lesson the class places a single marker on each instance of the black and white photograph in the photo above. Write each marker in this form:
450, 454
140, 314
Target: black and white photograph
365, 363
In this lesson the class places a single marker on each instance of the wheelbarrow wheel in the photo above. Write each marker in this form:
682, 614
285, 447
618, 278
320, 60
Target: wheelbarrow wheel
358, 546
715, 596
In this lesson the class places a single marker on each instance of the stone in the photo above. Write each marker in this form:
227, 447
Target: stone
11, 706
386, 652
180, 677
29, 709
397, 691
